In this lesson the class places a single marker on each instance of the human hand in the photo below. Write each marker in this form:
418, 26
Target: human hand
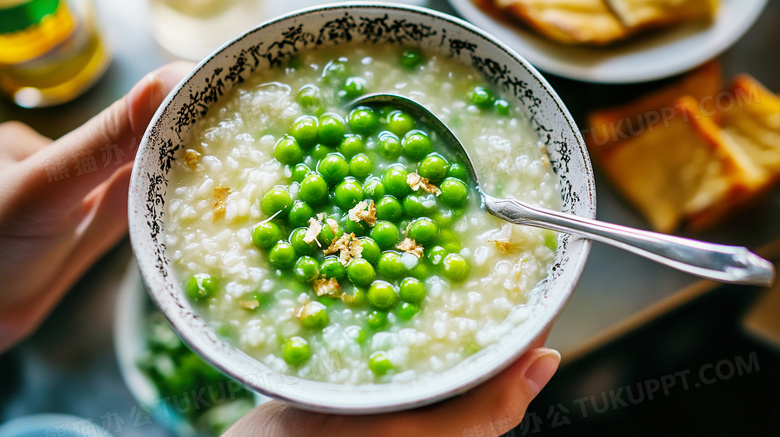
491, 409
63, 203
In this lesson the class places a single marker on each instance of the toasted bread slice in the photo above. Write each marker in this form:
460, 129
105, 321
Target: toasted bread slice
636, 14
707, 155
751, 121
609, 126
674, 172
569, 21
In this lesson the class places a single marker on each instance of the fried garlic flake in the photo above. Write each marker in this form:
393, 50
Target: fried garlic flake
410, 246
191, 158
333, 225
220, 196
503, 246
315, 226
348, 247
365, 211
417, 182
327, 287
308, 309
249, 304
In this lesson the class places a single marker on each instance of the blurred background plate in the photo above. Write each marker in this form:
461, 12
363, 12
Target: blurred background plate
649, 56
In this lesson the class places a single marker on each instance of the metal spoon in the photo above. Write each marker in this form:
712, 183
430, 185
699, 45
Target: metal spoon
712, 261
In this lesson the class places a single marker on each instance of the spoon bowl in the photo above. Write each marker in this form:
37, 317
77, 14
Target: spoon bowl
730, 264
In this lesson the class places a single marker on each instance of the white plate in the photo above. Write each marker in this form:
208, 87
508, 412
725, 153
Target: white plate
650, 56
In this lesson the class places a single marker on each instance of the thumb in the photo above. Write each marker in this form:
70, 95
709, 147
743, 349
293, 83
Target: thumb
78, 162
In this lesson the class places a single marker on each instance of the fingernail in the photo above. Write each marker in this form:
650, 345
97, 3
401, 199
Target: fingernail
143, 100
542, 369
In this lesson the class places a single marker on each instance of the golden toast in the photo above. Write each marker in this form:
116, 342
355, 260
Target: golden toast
714, 152
569, 21
636, 14
608, 126
602, 22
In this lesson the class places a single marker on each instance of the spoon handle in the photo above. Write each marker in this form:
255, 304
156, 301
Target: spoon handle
730, 264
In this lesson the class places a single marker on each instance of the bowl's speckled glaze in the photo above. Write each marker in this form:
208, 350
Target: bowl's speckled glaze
269, 45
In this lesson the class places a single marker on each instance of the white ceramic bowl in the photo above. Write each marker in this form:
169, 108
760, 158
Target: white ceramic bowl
269, 45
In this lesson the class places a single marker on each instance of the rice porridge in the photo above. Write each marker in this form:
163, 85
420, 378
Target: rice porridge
346, 244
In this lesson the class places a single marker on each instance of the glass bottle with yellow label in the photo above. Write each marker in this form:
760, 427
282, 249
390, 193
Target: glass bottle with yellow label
50, 50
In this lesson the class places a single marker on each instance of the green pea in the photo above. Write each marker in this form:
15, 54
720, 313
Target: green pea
373, 188
416, 145
299, 172
333, 168
390, 265
399, 122
357, 298
376, 319
382, 295
301, 247
501, 107
353, 88
435, 255
265, 235
385, 234
394, 180
336, 69
334, 211
355, 333
454, 192
306, 269
419, 205
309, 98
282, 255
314, 189
359, 228
320, 151
412, 290
360, 166
327, 301
433, 167
304, 130
327, 235
371, 250
411, 58
458, 171
389, 145
287, 151
482, 98
445, 216
348, 193
360, 272
300, 213
331, 129
407, 310
419, 271
363, 120
423, 230
275, 200
200, 287
379, 363
351, 145
551, 240
449, 240
314, 315
262, 299
455, 267
332, 268
389, 208
295, 351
